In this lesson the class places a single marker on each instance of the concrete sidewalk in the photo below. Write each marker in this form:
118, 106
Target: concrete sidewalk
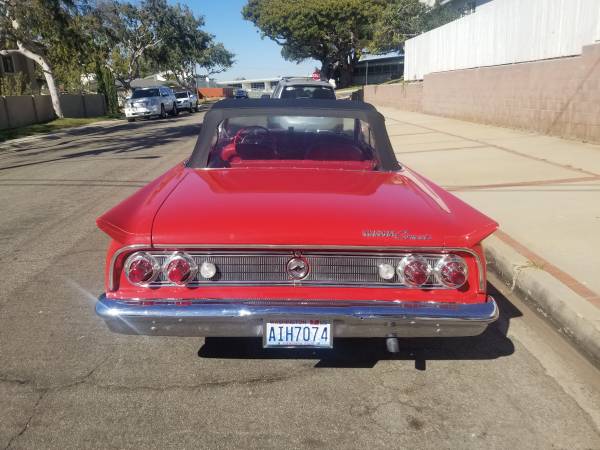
544, 192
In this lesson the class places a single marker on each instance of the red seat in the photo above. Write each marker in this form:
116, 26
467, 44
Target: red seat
334, 150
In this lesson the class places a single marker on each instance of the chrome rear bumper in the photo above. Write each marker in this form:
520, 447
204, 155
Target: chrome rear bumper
237, 318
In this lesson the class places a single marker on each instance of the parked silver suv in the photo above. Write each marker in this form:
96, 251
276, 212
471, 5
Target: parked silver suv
151, 101
187, 100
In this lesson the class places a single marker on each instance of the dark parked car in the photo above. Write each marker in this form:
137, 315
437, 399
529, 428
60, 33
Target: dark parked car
240, 93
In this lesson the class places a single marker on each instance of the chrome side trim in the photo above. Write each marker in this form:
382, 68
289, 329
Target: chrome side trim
238, 317
316, 248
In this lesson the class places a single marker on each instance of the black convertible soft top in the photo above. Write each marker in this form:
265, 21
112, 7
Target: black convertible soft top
293, 107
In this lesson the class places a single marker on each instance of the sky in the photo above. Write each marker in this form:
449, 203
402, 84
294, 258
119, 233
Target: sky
255, 57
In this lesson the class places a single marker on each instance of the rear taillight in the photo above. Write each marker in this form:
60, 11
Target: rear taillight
180, 268
452, 271
141, 268
414, 270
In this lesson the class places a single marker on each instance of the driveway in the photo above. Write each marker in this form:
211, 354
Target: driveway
66, 382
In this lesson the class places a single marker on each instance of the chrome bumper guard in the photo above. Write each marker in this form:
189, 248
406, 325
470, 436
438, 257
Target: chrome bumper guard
246, 318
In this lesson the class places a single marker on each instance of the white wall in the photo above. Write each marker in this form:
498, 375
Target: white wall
505, 32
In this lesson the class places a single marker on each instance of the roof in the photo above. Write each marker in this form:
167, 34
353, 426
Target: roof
254, 80
384, 56
150, 86
292, 103
303, 82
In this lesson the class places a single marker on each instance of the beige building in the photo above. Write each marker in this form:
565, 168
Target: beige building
17, 68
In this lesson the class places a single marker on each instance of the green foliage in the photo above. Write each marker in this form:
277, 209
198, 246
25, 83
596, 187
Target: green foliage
106, 86
138, 39
15, 84
49, 29
442, 15
333, 32
45, 25
402, 19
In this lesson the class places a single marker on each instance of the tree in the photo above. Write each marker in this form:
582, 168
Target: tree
403, 19
186, 46
400, 20
155, 36
216, 59
334, 32
128, 31
43, 31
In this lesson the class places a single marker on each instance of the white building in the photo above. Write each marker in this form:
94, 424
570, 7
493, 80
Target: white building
255, 87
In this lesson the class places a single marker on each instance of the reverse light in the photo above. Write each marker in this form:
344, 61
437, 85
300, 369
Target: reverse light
452, 271
386, 271
208, 270
141, 268
414, 270
180, 268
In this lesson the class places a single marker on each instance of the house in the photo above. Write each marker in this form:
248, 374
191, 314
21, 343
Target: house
374, 69
255, 87
18, 76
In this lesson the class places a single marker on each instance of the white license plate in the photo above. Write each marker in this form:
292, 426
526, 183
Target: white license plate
297, 333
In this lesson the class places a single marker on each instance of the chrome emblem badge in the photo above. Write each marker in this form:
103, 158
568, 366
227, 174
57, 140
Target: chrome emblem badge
297, 268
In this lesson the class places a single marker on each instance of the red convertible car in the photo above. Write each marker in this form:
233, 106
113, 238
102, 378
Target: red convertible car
293, 221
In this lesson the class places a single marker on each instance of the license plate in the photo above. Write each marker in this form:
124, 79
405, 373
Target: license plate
297, 333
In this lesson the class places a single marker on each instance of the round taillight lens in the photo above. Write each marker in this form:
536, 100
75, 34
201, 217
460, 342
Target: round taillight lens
414, 270
141, 268
452, 271
180, 269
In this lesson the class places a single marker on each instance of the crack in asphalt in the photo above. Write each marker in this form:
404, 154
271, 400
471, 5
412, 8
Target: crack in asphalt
208, 384
43, 392
26, 426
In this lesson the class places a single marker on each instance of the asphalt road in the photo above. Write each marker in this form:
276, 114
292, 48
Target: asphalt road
66, 382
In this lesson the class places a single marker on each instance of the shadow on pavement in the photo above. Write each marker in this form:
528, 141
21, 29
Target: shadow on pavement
365, 353
122, 140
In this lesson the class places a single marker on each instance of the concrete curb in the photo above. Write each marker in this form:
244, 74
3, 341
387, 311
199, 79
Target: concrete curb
571, 314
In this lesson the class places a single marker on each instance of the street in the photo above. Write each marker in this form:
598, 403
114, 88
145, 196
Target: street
67, 382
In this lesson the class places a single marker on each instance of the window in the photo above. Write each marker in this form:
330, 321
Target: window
294, 141
308, 91
7, 64
257, 86
142, 93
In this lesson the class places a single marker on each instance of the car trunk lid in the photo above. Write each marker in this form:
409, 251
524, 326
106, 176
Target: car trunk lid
314, 208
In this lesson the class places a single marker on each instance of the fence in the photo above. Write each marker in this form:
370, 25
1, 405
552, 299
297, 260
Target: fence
505, 32
20, 110
558, 96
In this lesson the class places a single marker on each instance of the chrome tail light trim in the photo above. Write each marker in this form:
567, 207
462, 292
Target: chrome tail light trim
261, 250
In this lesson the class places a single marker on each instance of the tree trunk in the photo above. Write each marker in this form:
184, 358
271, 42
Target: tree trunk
346, 72
52, 88
47, 69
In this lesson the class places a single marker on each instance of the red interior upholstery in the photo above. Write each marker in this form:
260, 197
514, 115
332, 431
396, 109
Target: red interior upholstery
334, 150
305, 163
